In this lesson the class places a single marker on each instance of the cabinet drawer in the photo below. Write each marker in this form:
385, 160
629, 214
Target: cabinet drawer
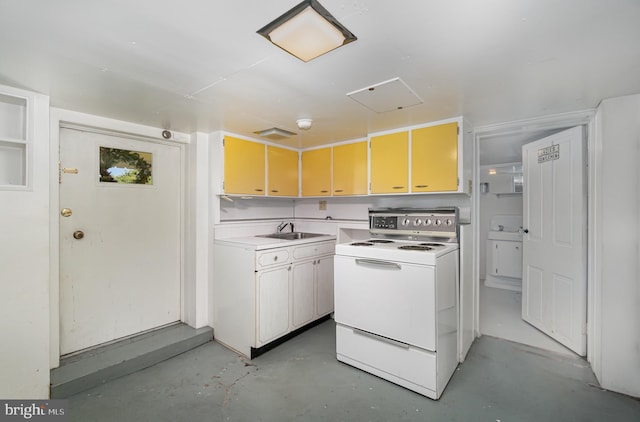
272, 257
408, 366
313, 249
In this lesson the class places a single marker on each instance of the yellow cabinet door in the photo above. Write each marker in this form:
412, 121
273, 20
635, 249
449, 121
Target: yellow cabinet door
434, 158
316, 172
390, 163
350, 169
243, 166
282, 173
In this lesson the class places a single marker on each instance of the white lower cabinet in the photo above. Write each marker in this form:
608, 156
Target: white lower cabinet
261, 296
312, 290
272, 306
324, 285
302, 290
506, 258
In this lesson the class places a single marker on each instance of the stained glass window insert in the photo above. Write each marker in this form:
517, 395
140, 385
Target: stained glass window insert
125, 166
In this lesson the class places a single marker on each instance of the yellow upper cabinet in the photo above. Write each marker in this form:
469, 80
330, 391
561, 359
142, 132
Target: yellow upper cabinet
350, 169
390, 163
417, 159
434, 158
282, 171
243, 166
316, 172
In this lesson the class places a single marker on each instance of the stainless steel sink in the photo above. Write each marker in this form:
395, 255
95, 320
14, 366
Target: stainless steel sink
291, 235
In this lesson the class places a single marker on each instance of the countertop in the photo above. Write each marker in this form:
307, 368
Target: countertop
259, 243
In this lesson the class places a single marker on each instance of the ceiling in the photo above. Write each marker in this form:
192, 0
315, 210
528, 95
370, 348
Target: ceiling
196, 65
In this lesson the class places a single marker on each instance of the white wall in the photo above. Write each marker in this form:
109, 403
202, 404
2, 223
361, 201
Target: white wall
199, 234
616, 221
256, 209
24, 270
356, 208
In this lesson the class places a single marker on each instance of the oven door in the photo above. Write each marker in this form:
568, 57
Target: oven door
390, 299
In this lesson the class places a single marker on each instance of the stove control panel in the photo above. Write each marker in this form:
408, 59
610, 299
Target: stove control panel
437, 223
384, 222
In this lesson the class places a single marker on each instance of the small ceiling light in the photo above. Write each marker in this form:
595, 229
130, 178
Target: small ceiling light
307, 31
304, 124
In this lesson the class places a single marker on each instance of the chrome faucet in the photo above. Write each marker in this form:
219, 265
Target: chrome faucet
284, 224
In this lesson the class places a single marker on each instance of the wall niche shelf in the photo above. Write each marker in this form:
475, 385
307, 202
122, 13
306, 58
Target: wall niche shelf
14, 141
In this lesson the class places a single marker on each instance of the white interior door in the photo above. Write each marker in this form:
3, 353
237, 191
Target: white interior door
554, 282
120, 247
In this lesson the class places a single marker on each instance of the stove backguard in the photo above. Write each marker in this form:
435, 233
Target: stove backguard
437, 224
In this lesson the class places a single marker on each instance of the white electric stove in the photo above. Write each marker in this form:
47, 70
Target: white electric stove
396, 298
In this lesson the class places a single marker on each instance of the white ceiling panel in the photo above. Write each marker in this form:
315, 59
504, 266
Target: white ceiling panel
199, 64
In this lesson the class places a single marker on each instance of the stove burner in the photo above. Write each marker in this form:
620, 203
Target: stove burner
435, 245
380, 241
362, 244
415, 248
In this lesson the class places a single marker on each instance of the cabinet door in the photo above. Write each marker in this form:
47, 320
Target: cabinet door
324, 286
507, 259
350, 169
282, 171
390, 163
243, 166
316, 172
303, 293
434, 158
272, 290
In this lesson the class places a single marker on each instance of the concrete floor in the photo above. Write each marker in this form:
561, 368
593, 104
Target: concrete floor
302, 380
501, 316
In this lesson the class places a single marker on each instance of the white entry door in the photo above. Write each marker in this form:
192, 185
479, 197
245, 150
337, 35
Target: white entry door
120, 243
554, 282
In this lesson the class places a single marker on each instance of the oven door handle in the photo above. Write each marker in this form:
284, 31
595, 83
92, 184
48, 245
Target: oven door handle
377, 263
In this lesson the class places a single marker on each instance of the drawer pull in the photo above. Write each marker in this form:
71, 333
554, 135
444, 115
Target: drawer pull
339, 190
274, 190
422, 186
376, 263
380, 338
258, 190
397, 187
324, 191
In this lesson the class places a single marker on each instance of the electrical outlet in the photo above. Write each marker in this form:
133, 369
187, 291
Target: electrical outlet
322, 205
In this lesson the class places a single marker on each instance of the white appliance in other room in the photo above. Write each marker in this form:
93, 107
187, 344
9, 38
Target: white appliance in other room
396, 298
504, 253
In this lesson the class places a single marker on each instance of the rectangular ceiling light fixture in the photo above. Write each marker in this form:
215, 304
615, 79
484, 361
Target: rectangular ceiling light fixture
307, 31
275, 133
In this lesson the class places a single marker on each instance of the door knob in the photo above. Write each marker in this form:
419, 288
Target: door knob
78, 234
526, 230
66, 212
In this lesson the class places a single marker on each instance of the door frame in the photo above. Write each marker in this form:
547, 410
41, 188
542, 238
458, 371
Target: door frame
584, 118
64, 118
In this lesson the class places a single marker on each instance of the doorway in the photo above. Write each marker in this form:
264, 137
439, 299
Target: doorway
499, 147
120, 237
